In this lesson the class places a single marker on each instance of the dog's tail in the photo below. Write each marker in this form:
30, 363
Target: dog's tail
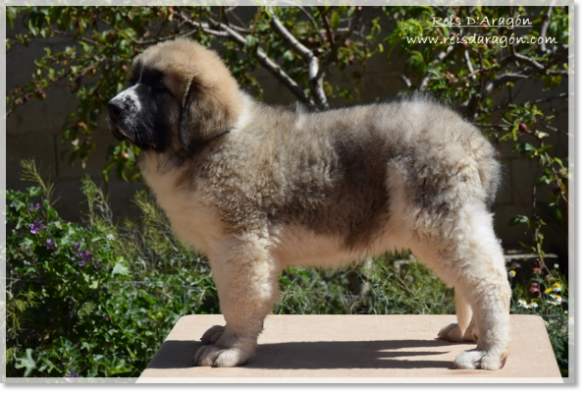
490, 173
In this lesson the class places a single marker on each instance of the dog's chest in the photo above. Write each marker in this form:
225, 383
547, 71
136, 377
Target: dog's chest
192, 217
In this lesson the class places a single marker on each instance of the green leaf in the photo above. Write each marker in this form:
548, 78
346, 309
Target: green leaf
131, 353
26, 362
523, 147
334, 20
98, 357
26, 244
518, 219
543, 180
51, 212
506, 118
416, 62
557, 161
251, 41
540, 134
120, 268
552, 81
34, 191
288, 57
87, 345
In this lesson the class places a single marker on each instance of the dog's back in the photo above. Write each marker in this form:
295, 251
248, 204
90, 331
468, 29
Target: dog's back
331, 172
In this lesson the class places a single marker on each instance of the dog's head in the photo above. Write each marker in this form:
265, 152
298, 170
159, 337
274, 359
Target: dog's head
181, 95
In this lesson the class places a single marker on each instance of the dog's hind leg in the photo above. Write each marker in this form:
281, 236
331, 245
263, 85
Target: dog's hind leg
246, 281
464, 329
480, 272
466, 254
491, 315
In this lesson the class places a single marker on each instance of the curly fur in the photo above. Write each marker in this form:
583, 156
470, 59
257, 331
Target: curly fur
260, 188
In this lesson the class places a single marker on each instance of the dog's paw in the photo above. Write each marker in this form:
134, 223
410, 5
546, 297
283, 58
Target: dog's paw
212, 335
478, 359
451, 332
213, 356
221, 348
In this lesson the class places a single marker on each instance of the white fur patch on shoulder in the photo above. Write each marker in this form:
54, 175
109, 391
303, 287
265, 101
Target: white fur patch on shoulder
300, 112
246, 115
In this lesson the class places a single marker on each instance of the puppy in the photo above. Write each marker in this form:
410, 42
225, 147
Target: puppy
260, 188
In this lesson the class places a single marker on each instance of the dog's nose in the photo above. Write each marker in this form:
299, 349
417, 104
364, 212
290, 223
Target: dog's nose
115, 108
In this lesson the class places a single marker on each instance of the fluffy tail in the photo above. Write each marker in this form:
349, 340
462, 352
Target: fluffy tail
490, 173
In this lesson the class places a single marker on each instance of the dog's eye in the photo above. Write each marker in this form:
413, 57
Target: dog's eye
159, 86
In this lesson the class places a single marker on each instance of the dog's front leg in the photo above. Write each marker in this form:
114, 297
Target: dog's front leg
246, 280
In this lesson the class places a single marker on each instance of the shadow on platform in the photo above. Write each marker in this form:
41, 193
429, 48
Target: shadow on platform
319, 355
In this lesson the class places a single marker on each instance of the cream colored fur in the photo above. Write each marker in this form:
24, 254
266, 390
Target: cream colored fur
290, 188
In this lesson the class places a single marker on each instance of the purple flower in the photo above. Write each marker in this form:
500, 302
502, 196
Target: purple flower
86, 256
34, 207
51, 244
36, 226
75, 246
117, 312
72, 374
27, 262
107, 318
96, 266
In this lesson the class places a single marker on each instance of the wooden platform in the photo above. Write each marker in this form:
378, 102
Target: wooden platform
353, 349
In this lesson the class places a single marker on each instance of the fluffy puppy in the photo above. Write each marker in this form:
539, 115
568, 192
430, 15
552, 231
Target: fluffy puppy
260, 188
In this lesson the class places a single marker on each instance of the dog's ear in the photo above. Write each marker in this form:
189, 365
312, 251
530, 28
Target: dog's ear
202, 117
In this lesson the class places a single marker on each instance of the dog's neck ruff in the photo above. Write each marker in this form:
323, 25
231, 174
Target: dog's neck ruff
214, 137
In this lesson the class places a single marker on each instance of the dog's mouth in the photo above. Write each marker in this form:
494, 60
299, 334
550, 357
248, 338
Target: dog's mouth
121, 135
115, 118
118, 132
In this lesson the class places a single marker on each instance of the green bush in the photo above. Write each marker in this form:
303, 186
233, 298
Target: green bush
90, 300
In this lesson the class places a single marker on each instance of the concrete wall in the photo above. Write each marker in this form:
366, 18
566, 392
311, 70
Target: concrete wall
34, 130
